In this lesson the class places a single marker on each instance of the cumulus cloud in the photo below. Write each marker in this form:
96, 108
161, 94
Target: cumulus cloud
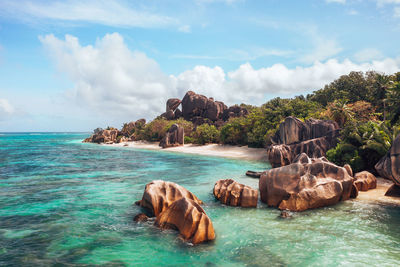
111, 13
6, 109
112, 79
368, 54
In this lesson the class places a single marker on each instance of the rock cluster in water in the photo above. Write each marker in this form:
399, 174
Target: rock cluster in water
307, 183
313, 137
232, 193
177, 208
364, 181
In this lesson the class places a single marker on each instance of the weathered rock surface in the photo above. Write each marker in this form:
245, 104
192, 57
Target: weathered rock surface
173, 104
281, 155
253, 174
173, 137
389, 166
141, 217
103, 136
186, 216
232, 193
293, 130
393, 191
365, 181
195, 105
159, 195
301, 186
234, 111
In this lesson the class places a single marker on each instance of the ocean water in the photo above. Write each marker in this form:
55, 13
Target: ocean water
66, 203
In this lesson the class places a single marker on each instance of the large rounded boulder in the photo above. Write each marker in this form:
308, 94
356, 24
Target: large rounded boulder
186, 216
159, 195
232, 193
389, 166
175, 136
364, 181
306, 184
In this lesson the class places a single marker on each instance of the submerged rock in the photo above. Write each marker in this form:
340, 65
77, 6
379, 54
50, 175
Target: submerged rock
365, 181
393, 191
285, 214
389, 166
159, 195
141, 217
186, 216
301, 186
173, 137
232, 193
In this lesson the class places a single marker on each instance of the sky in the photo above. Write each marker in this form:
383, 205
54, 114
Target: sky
77, 65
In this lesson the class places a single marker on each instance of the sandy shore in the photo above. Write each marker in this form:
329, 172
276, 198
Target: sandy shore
227, 151
378, 194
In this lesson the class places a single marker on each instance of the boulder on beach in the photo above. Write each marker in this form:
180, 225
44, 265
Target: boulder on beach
158, 195
306, 184
103, 136
389, 166
364, 181
232, 193
173, 137
186, 216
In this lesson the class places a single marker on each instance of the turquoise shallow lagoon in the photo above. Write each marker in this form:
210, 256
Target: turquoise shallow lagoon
66, 203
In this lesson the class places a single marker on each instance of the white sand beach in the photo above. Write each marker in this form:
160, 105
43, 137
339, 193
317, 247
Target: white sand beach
227, 151
378, 194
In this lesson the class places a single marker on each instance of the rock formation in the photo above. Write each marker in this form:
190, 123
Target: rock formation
158, 195
189, 219
313, 137
176, 208
103, 136
173, 137
253, 174
234, 112
393, 191
306, 184
141, 217
232, 193
364, 181
389, 166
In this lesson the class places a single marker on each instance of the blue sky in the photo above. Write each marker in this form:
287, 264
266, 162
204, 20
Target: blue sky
75, 65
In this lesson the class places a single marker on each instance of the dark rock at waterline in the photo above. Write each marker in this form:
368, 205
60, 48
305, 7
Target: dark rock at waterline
141, 217
232, 193
301, 186
103, 136
253, 174
364, 181
393, 191
189, 219
285, 214
389, 166
173, 137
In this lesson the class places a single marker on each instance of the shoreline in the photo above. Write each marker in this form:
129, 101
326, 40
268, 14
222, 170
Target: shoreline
216, 150
375, 196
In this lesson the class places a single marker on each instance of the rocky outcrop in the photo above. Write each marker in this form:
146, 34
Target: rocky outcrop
232, 193
234, 111
389, 166
186, 216
172, 112
195, 105
103, 136
306, 184
173, 137
364, 181
393, 191
141, 217
293, 130
281, 155
159, 195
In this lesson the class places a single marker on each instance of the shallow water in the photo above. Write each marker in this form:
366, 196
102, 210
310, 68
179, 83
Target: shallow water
67, 203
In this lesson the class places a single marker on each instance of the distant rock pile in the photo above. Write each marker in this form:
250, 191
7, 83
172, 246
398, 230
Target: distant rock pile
199, 108
307, 183
176, 208
232, 193
313, 137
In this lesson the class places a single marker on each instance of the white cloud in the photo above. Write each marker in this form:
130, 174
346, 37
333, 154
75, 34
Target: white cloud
336, 1
396, 12
111, 13
185, 29
381, 3
6, 109
111, 79
368, 54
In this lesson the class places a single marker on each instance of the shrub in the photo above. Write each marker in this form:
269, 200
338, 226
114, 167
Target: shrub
206, 134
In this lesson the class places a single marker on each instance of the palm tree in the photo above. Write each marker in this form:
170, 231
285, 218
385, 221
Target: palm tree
383, 83
340, 112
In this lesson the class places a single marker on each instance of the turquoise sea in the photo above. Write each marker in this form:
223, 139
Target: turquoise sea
65, 203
